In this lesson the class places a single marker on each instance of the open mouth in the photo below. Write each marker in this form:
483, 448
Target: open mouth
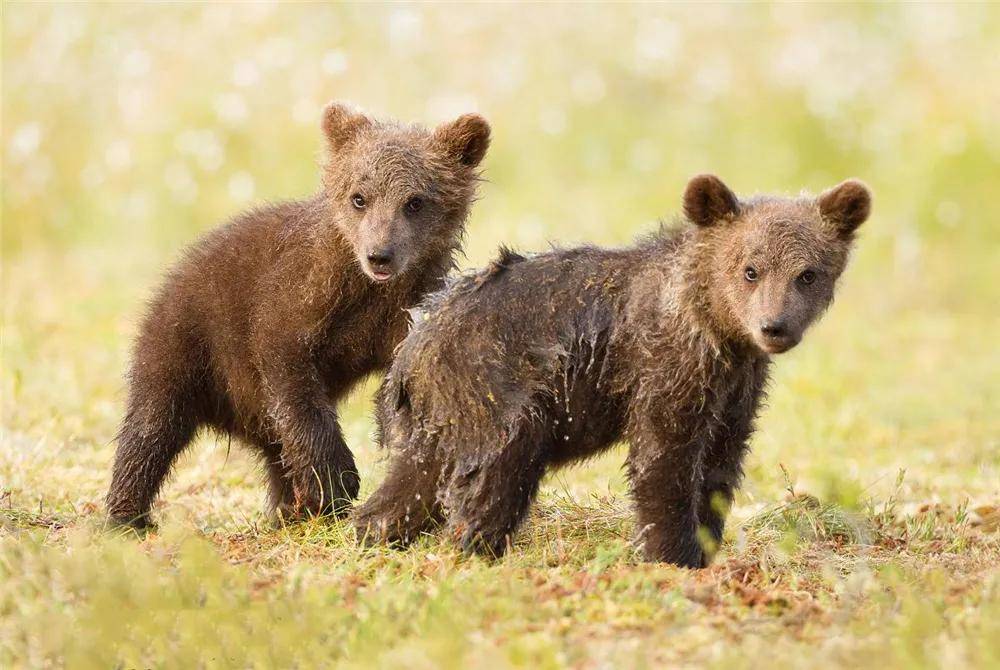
381, 276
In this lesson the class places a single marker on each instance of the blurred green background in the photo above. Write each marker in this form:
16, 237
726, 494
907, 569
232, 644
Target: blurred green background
130, 129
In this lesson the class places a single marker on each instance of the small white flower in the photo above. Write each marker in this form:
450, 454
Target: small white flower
552, 120
588, 86
26, 139
136, 63
404, 27
334, 62
231, 108
180, 182
245, 73
241, 187
118, 155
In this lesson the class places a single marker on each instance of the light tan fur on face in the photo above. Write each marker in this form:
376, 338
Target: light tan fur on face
387, 164
783, 242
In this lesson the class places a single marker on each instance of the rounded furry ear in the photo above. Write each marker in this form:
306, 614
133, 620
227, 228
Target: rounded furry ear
707, 199
846, 205
465, 139
341, 124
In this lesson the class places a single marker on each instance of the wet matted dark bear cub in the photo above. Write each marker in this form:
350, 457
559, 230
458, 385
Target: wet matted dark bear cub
271, 318
534, 363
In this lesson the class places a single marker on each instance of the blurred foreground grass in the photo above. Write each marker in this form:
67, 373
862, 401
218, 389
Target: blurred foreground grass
128, 129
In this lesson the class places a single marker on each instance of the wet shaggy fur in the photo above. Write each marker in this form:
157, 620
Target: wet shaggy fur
270, 319
535, 363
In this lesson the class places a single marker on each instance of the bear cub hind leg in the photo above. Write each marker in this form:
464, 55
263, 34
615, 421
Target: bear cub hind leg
406, 503
154, 432
488, 497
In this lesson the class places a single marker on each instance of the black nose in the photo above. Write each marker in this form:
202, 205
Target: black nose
381, 258
774, 329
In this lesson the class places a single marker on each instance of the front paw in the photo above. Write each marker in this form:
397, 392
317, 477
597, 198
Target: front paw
370, 531
339, 508
473, 539
349, 486
373, 529
686, 557
336, 498
682, 549
285, 513
139, 525
341, 494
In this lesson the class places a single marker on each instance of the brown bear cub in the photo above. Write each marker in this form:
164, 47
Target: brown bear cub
540, 362
271, 318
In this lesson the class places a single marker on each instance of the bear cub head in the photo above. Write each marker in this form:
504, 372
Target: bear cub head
770, 264
400, 193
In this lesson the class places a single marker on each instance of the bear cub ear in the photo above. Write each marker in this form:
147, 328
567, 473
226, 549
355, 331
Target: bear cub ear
465, 139
341, 124
707, 200
846, 205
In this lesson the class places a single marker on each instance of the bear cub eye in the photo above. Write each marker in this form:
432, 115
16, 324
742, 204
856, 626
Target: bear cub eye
414, 205
358, 201
750, 274
807, 277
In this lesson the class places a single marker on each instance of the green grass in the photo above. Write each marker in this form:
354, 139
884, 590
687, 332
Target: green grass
867, 533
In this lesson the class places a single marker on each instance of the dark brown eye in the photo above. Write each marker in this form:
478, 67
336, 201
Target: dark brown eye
807, 277
358, 201
750, 274
414, 205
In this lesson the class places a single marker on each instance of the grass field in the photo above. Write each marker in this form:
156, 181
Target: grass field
867, 533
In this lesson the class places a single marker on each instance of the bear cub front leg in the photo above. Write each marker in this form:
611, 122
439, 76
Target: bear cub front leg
664, 471
406, 503
323, 476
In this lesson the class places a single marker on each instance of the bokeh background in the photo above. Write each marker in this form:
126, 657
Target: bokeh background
129, 129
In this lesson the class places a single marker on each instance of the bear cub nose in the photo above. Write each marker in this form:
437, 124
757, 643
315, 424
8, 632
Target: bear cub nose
380, 259
774, 329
